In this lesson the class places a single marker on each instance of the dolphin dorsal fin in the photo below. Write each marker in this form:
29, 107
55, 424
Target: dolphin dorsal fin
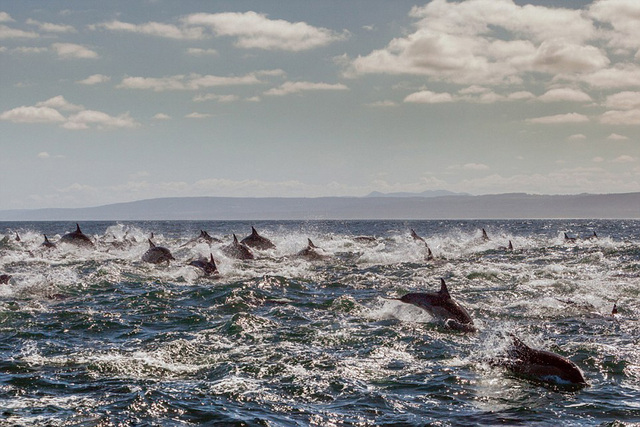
518, 343
45, 238
78, 228
510, 245
253, 231
212, 260
151, 245
310, 243
17, 237
235, 239
443, 289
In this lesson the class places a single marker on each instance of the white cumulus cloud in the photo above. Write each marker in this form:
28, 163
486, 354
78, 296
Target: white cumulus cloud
288, 88
560, 118
256, 31
94, 79
72, 50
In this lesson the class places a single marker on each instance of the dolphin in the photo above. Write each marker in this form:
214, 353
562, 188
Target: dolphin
569, 239
541, 365
77, 238
416, 237
18, 237
441, 306
256, 241
47, 243
429, 255
614, 311
157, 254
237, 250
485, 236
310, 252
203, 237
208, 266
4, 278
506, 248
594, 236
365, 239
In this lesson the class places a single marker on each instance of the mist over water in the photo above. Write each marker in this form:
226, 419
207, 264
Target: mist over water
96, 336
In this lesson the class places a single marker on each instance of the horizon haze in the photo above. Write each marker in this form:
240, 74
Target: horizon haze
496, 206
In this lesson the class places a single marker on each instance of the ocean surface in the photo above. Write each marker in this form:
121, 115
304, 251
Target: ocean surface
97, 337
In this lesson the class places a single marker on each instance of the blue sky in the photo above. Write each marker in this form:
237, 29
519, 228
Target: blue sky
106, 102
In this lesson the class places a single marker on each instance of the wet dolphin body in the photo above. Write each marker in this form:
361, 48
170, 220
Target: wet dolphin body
157, 254
542, 365
4, 278
237, 250
429, 255
569, 239
203, 237
77, 238
47, 243
485, 236
441, 306
365, 239
208, 266
416, 237
506, 248
256, 241
311, 252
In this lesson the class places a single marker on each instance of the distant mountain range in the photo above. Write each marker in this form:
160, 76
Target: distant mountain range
428, 193
373, 206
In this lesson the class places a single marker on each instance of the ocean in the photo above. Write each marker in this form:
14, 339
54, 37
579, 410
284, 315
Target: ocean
97, 337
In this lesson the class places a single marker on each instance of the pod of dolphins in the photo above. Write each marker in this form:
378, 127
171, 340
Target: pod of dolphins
520, 359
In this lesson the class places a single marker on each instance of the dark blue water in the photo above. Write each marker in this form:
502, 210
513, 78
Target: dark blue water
96, 337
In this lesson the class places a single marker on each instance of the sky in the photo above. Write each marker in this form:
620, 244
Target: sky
114, 101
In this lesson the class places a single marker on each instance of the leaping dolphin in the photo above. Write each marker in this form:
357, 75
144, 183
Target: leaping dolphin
429, 255
541, 365
416, 237
507, 248
77, 238
311, 252
208, 266
203, 237
237, 250
441, 306
157, 254
254, 240
47, 243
